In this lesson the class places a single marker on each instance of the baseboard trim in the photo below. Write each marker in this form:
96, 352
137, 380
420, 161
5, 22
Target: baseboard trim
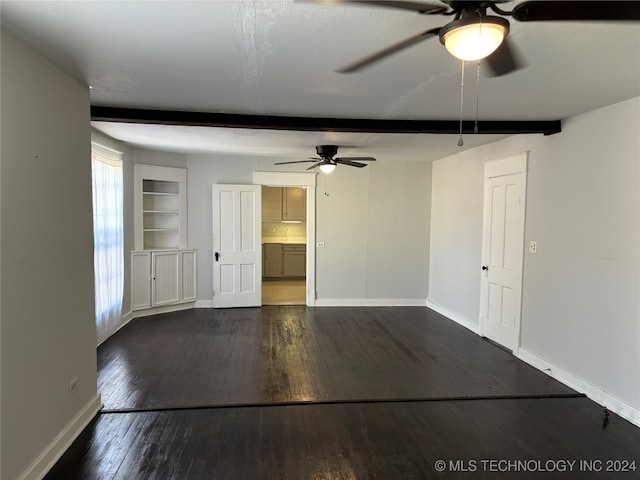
47, 459
123, 321
163, 309
593, 392
360, 302
459, 319
370, 302
204, 304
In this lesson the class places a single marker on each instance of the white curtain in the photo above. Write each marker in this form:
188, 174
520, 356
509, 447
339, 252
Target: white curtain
108, 257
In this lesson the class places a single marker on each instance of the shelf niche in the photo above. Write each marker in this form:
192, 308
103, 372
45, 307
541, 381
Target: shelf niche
160, 207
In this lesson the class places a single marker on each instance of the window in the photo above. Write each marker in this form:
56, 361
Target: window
108, 256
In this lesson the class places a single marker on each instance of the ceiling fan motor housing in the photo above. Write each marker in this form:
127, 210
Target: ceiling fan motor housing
326, 151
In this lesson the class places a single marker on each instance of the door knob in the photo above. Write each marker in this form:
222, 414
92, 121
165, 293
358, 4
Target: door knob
217, 255
484, 267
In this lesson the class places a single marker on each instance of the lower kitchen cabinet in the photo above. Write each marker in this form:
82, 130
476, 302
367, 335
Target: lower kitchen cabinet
294, 260
272, 260
162, 277
284, 260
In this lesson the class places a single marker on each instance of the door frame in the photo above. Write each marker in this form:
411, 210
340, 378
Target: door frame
299, 179
511, 165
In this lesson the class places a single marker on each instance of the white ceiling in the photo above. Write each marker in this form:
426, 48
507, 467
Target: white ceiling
280, 57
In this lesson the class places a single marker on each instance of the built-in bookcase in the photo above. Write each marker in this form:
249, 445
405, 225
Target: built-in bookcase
163, 268
160, 210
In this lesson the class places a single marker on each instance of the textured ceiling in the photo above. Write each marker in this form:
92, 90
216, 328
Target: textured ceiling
280, 57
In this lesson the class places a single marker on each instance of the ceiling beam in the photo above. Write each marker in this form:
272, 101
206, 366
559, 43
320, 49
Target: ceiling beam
319, 124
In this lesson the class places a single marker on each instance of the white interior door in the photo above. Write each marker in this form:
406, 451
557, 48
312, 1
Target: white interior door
503, 250
237, 234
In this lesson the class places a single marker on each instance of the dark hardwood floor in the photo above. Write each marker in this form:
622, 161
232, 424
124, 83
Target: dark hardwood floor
333, 393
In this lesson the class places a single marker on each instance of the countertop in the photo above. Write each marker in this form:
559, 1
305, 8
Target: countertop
285, 240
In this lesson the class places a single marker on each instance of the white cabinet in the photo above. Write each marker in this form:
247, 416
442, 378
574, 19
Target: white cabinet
163, 269
284, 204
162, 277
160, 207
140, 280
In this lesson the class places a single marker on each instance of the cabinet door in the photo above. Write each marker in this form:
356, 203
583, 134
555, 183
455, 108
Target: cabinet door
271, 204
294, 261
294, 203
140, 280
189, 285
165, 273
272, 260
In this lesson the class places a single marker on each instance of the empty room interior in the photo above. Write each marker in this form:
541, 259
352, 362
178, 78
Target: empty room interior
306, 239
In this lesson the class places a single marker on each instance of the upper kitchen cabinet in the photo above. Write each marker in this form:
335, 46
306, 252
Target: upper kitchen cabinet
271, 204
160, 207
294, 203
284, 204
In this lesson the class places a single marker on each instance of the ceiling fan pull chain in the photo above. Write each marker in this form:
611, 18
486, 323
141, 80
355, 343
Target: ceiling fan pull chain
326, 180
475, 127
460, 141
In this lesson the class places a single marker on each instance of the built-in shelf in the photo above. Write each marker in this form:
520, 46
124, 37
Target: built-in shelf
160, 210
163, 268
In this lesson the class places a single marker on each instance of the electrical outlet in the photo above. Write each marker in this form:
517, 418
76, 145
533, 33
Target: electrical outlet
73, 385
272, 229
533, 246
320, 244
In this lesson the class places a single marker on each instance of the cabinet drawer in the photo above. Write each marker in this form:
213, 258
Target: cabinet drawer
297, 248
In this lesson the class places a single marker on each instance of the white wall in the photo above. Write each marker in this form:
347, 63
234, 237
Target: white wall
581, 301
373, 224
375, 233
156, 157
47, 311
456, 227
581, 290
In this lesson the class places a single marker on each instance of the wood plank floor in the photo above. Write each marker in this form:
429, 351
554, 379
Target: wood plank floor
278, 354
332, 393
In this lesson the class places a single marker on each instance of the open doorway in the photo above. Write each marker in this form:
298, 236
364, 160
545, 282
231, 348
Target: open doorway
306, 181
284, 245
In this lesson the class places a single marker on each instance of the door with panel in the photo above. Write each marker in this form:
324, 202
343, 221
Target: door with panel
503, 250
237, 249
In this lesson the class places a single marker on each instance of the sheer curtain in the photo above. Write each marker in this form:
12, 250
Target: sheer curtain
108, 256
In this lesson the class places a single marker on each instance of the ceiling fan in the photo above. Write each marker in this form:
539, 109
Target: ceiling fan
473, 35
328, 163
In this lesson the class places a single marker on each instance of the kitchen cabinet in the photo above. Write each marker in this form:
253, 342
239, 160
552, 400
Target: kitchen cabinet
294, 204
271, 204
284, 204
272, 260
294, 260
284, 260
162, 277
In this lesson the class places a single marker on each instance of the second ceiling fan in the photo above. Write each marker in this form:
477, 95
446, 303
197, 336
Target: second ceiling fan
328, 163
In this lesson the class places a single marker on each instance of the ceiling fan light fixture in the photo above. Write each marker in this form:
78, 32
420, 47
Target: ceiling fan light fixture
473, 38
328, 166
